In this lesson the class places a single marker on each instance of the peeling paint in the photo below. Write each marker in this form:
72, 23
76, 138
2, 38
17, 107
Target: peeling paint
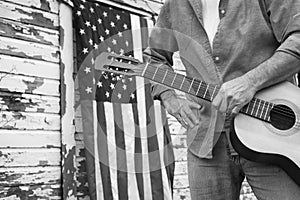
63, 102
69, 172
45, 5
37, 18
33, 85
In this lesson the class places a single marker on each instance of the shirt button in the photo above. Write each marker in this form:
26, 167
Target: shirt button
223, 12
217, 58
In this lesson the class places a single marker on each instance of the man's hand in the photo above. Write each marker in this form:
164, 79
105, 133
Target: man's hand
181, 109
234, 95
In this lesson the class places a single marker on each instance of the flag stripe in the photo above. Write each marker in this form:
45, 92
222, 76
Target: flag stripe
102, 141
138, 159
121, 154
143, 131
160, 135
144, 32
111, 145
129, 135
99, 185
153, 149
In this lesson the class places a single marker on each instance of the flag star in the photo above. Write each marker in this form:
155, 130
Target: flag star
108, 49
82, 32
87, 23
120, 34
99, 84
81, 7
132, 95
122, 52
124, 87
92, 61
85, 50
88, 90
125, 26
107, 94
118, 17
101, 38
99, 21
107, 32
119, 95
95, 46
78, 13
105, 14
126, 43
94, 28
123, 80
91, 41
92, 10
118, 78
112, 24
112, 86
114, 42
87, 70
130, 79
94, 81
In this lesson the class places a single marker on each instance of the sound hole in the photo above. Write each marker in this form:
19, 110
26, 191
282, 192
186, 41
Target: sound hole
282, 117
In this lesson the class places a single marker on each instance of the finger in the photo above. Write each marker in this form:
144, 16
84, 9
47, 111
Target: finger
190, 114
187, 120
235, 110
181, 121
194, 105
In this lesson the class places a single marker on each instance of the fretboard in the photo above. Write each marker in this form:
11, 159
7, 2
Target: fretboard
256, 108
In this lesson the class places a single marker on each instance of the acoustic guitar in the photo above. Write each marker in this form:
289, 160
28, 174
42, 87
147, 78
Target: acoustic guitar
266, 130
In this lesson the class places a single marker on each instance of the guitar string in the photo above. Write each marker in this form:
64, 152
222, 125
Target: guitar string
279, 110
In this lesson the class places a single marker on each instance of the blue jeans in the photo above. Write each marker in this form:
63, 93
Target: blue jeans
220, 178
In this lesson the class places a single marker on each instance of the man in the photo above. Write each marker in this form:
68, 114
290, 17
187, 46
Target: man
243, 47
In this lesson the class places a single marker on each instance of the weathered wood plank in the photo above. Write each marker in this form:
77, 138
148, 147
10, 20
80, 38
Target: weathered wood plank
29, 103
28, 32
28, 15
46, 5
29, 139
33, 192
29, 176
29, 85
29, 67
30, 157
24, 49
29, 121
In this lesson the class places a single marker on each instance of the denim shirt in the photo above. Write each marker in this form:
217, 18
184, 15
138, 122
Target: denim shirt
249, 33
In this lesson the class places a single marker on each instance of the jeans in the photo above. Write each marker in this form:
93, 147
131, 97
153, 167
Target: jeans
221, 178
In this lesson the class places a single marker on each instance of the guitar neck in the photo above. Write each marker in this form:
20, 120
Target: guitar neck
256, 107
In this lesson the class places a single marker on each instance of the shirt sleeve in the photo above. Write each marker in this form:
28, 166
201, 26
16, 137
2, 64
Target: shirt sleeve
284, 17
162, 45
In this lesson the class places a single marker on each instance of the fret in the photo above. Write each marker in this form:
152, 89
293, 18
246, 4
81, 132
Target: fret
146, 67
166, 71
257, 108
178, 81
205, 91
199, 88
248, 106
191, 85
182, 82
155, 73
267, 108
262, 113
174, 79
251, 113
213, 93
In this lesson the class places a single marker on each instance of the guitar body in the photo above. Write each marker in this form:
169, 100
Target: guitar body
275, 143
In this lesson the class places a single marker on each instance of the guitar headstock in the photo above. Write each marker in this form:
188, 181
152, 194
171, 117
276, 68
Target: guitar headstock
119, 64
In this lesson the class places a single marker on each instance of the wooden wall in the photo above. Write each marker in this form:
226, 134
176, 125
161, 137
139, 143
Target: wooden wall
30, 111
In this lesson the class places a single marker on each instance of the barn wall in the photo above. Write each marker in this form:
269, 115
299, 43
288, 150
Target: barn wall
30, 110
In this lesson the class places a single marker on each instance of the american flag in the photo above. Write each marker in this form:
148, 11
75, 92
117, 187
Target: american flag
127, 141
